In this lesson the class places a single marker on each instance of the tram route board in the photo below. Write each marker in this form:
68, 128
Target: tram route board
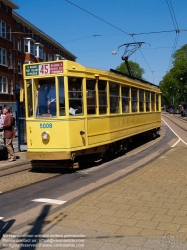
44, 69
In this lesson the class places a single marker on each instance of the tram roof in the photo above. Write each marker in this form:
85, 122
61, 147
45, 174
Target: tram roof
133, 77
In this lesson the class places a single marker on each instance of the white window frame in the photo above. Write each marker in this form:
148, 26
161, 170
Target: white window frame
19, 44
29, 42
50, 58
57, 57
39, 50
19, 67
2, 29
11, 86
3, 56
3, 84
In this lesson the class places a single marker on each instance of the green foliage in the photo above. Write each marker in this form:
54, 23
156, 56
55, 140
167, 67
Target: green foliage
135, 68
174, 83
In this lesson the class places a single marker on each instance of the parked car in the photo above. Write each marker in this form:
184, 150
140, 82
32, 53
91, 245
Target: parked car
177, 111
171, 111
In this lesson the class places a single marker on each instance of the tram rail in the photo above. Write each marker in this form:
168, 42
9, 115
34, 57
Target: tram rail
179, 121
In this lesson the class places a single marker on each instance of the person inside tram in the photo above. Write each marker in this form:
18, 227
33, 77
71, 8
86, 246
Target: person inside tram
74, 100
125, 107
134, 107
51, 102
42, 99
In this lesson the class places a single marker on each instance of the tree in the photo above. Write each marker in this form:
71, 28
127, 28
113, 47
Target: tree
174, 83
135, 68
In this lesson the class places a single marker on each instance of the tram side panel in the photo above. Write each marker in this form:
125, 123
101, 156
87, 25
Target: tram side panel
109, 129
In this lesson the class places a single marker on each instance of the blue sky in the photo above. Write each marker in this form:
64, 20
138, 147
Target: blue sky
93, 40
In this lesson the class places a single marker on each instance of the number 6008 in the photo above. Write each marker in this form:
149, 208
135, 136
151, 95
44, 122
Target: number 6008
45, 125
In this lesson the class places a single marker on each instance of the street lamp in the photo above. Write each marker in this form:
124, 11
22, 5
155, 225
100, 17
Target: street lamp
183, 87
173, 94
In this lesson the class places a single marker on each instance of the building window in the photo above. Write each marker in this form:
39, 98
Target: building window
57, 57
11, 86
3, 87
44, 56
50, 57
19, 44
19, 67
39, 50
10, 59
9, 33
2, 56
3, 7
2, 29
29, 46
26, 46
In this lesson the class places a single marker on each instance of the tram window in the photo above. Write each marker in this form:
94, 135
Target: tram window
147, 98
46, 98
61, 96
29, 98
114, 97
152, 102
91, 96
157, 102
134, 100
125, 99
141, 101
75, 96
102, 97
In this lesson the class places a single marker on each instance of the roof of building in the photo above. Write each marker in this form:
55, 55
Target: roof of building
10, 4
26, 23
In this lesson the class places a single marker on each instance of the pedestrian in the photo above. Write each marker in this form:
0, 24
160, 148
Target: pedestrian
8, 128
182, 111
2, 117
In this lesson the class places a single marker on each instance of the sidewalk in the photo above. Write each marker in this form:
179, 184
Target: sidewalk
20, 160
146, 209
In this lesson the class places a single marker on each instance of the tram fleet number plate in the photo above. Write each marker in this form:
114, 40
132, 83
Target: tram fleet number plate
46, 125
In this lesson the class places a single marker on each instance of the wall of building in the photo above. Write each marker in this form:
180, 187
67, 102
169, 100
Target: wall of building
15, 32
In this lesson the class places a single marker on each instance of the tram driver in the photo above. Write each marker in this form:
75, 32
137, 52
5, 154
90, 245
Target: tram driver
52, 100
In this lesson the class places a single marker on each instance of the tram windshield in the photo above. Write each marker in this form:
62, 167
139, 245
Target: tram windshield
45, 99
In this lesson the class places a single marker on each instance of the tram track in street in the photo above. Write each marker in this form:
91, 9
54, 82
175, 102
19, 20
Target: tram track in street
179, 121
22, 176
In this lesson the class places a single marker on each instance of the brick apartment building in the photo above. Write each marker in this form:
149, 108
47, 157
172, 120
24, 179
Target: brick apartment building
21, 42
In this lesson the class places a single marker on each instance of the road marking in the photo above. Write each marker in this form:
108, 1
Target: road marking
51, 201
175, 134
1, 218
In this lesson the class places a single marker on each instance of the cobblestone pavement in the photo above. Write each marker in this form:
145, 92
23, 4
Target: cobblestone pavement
144, 210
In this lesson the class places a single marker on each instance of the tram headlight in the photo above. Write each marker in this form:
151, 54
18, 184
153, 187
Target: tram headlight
45, 136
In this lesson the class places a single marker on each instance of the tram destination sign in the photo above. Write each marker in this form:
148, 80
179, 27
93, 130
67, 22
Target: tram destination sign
44, 69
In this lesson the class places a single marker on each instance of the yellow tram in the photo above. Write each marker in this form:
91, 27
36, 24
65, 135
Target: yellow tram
74, 111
